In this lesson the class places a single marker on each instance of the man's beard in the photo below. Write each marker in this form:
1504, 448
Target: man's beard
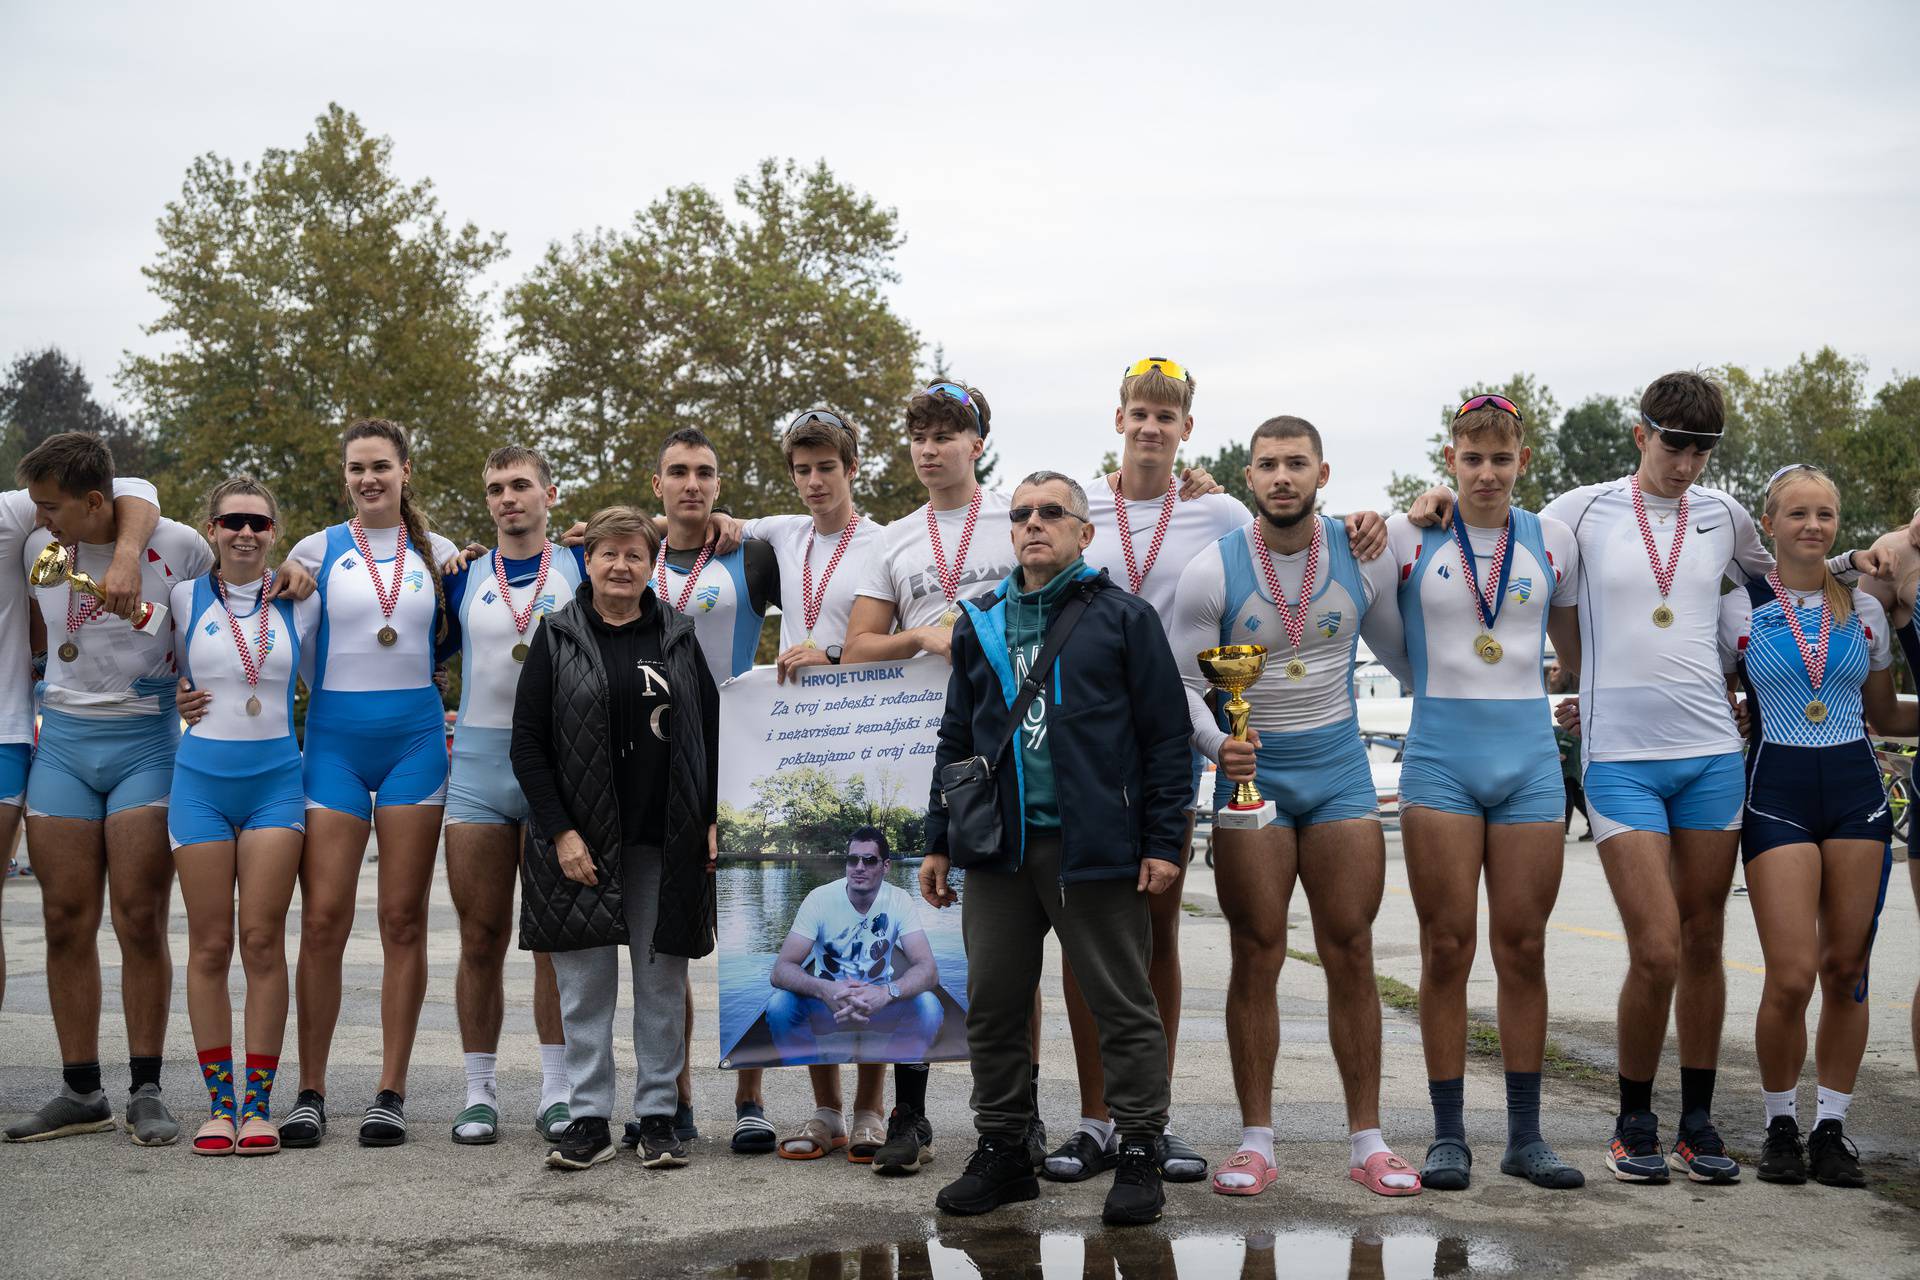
1283, 521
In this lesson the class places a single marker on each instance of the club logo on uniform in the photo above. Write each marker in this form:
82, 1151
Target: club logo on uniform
544, 605
487, 596
1253, 624
416, 580
1328, 623
1521, 589
1443, 571
349, 563
706, 598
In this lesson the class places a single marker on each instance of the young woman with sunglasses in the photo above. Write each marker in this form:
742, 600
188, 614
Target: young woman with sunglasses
376, 758
237, 812
1814, 659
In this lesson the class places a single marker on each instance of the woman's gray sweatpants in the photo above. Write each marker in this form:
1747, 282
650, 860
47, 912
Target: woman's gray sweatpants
590, 987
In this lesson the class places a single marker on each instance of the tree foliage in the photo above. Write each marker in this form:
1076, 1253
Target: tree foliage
808, 811
728, 319
44, 394
1544, 476
302, 291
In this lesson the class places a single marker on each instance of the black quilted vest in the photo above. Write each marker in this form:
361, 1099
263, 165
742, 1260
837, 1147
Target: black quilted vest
558, 914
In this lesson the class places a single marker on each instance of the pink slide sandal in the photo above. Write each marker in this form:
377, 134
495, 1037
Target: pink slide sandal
1250, 1164
1378, 1166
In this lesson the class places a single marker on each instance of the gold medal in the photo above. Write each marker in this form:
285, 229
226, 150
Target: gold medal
1663, 616
520, 652
1296, 669
1491, 652
387, 636
69, 651
1816, 711
1481, 641
808, 643
253, 706
950, 617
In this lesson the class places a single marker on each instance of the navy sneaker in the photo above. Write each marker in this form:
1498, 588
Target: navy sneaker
1699, 1153
1634, 1155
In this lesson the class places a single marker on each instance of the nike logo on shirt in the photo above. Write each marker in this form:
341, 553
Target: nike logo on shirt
1705, 528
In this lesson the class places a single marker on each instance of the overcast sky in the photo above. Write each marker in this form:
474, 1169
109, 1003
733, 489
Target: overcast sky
1341, 215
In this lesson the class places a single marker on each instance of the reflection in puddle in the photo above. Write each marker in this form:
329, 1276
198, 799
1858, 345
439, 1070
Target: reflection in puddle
1142, 1256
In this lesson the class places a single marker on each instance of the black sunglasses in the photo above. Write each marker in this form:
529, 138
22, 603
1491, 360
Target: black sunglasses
864, 859
1701, 440
1051, 512
235, 521
827, 416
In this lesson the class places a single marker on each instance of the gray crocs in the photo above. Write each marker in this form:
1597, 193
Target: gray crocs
1538, 1164
1449, 1166
148, 1119
62, 1118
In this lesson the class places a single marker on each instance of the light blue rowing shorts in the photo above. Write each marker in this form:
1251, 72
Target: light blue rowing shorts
1697, 793
88, 767
1317, 776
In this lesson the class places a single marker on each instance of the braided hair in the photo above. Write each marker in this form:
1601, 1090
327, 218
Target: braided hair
411, 517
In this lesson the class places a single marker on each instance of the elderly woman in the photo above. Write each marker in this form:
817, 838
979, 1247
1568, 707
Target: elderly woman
615, 739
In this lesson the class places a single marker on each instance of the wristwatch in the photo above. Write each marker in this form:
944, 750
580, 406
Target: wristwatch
893, 989
833, 654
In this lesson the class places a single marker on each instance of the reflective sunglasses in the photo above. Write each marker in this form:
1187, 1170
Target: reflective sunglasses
1807, 467
1701, 440
959, 395
1050, 512
864, 859
1169, 367
827, 416
1481, 402
235, 521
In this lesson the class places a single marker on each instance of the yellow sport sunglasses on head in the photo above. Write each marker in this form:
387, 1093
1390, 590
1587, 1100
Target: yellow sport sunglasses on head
1170, 368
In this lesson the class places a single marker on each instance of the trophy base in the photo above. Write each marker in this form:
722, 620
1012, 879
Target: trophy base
1232, 819
149, 618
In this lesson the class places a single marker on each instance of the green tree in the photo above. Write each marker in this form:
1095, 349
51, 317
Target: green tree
1228, 467
1596, 440
1544, 476
302, 291
45, 393
729, 320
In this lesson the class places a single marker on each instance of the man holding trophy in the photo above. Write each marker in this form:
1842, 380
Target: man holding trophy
1295, 795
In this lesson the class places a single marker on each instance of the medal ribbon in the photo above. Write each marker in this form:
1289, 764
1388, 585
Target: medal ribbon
387, 596
88, 611
810, 603
1488, 603
1662, 577
1137, 576
520, 618
1815, 655
249, 662
950, 577
693, 575
1293, 618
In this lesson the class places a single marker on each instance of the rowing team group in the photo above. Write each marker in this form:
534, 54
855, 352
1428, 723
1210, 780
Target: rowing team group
1624, 577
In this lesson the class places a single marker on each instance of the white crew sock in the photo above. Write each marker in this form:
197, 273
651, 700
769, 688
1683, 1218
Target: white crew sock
1101, 1131
554, 1084
481, 1088
1254, 1139
1368, 1143
1784, 1103
1833, 1105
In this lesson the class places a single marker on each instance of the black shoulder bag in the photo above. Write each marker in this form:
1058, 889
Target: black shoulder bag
968, 787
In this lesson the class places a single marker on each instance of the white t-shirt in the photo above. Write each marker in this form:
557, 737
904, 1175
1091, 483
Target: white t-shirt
1335, 622
904, 575
795, 544
16, 664
118, 671
1443, 662
1192, 527
847, 944
1650, 692
353, 660
205, 652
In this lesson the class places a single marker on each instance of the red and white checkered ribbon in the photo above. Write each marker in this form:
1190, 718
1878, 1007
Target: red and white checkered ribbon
693, 575
1662, 576
810, 601
387, 596
1484, 598
522, 618
1813, 655
249, 662
1137, 575
950, 576
1292, 617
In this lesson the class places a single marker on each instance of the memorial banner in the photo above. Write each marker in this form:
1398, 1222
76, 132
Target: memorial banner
826, 952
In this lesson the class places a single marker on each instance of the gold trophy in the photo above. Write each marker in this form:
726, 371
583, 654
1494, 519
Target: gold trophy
52, 567
1231, 669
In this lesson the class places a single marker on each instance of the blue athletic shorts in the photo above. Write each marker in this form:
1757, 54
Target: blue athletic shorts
209, 807
1318, 776
482, 788
1486, 758
89, 767
353, 766
1697, 793
14, 759
1804, 795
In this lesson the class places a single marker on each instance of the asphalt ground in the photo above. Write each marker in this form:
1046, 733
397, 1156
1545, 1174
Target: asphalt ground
99, 1205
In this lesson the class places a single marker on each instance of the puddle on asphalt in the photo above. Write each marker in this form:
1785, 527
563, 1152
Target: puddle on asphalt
1143, 1256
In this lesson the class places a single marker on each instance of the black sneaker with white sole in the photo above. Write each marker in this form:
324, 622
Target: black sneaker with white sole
660, 1147
385, 1124
306, 1124
1136, 1196
909, 1145
582, 1144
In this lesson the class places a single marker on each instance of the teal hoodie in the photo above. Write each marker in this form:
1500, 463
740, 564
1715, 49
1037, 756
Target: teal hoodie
1027, 615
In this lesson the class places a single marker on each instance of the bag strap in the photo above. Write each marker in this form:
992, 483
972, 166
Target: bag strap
1057, 632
